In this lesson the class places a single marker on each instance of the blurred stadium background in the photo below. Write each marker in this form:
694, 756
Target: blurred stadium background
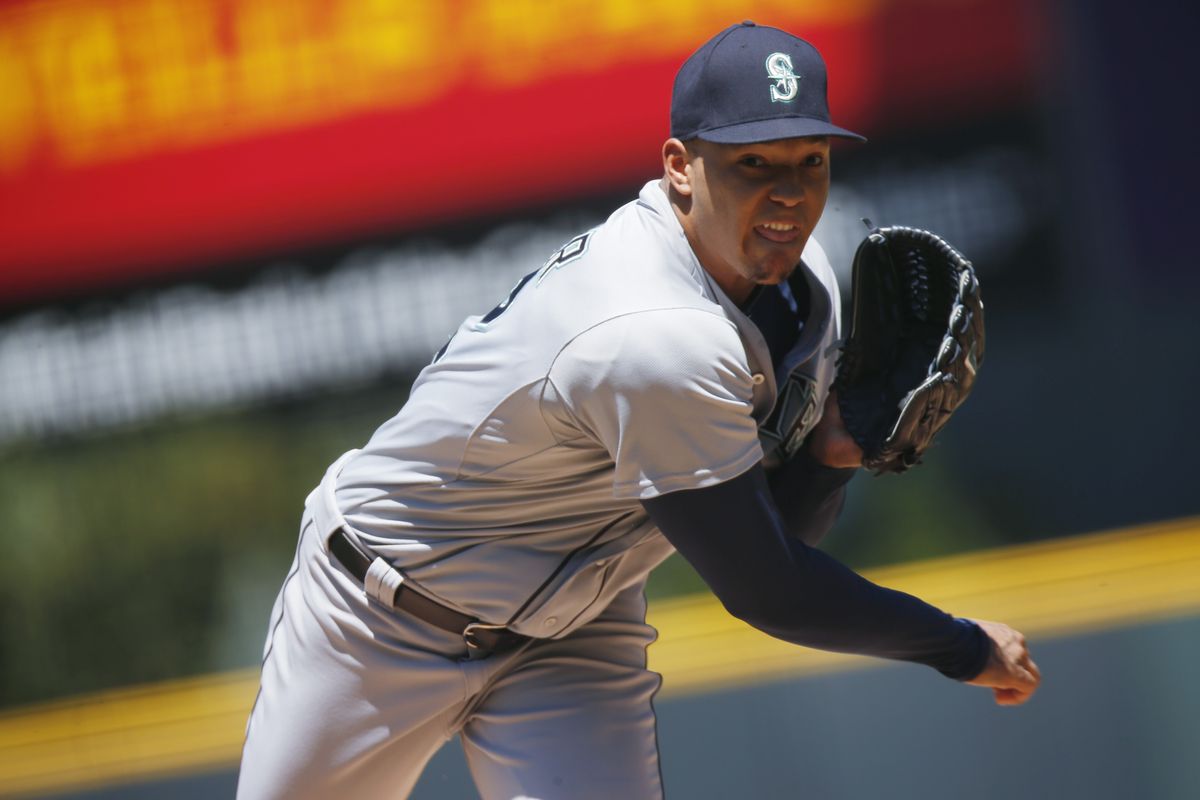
231, 233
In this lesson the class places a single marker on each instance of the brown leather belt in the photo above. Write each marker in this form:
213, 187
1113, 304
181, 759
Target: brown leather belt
482, 639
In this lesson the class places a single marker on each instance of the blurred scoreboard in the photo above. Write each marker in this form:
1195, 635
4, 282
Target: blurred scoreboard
146, 138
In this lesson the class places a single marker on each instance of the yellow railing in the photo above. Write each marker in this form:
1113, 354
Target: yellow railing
1050, 589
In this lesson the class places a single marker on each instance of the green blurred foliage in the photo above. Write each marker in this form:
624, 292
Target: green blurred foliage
123, 550
921, 513
156, 553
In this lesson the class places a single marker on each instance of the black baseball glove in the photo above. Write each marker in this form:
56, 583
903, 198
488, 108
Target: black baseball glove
915, 346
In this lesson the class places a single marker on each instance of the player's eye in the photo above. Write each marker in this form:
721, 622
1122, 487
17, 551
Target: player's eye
814, 160
752, 161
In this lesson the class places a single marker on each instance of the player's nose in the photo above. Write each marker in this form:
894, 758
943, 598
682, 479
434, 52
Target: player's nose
787, 189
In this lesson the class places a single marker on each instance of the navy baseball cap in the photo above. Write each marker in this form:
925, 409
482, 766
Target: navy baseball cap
752, 83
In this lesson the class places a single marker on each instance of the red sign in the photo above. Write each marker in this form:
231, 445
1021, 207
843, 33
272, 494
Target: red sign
145, 136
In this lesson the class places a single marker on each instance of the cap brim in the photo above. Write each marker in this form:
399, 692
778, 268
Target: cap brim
766, 130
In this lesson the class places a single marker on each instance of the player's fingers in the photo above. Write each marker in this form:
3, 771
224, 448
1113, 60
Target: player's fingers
1016, 685
1010, 697
1026, 669
1020, 688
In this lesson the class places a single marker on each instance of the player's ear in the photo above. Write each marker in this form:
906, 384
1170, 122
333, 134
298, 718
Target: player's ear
677, 162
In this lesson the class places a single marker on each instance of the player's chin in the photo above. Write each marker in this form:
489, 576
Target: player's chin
774, 263
775, 270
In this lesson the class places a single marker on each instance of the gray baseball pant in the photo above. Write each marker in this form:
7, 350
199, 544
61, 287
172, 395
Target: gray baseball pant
355, 698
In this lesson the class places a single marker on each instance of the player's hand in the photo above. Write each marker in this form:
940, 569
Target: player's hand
1010, 671
830, 442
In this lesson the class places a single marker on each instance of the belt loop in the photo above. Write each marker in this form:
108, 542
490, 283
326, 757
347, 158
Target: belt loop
322, 501
382, 581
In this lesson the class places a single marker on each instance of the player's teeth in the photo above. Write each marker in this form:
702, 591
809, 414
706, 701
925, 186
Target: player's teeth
777, 226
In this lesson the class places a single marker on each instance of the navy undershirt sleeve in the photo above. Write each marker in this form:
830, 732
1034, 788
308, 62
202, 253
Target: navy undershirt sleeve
809, 495
735, 537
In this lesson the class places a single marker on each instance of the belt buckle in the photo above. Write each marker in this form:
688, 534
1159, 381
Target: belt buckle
475, 649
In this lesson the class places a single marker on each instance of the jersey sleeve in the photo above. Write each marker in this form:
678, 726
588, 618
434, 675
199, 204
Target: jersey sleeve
667, 393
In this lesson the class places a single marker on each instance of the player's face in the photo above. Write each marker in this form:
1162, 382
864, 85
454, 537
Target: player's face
753, 206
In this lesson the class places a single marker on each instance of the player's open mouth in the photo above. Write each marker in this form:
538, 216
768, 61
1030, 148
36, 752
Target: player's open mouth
782, 232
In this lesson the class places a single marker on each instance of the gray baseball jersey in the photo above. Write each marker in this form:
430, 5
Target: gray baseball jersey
508, 488
508, 485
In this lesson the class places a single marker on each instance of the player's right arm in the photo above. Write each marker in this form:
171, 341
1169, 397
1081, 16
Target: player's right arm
733, 535
668, 394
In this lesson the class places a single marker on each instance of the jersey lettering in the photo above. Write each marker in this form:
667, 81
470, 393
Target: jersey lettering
506, 302
569, 252
564, 255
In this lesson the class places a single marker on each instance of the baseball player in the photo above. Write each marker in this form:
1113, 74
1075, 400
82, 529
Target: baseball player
660, 383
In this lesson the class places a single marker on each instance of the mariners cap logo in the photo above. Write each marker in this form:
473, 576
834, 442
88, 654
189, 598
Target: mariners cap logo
785, 83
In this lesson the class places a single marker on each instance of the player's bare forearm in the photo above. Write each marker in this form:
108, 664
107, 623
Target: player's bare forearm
830, 442
1010, 673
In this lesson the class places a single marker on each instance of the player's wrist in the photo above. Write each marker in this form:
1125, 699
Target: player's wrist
973, 652
830, 443
834, 448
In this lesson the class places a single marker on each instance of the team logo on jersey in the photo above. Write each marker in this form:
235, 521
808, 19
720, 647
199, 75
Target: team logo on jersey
793, 418
785, 83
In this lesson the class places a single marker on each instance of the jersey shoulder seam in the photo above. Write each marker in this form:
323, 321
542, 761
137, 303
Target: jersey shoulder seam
458, 469
549, 382
589, 329
714, 313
